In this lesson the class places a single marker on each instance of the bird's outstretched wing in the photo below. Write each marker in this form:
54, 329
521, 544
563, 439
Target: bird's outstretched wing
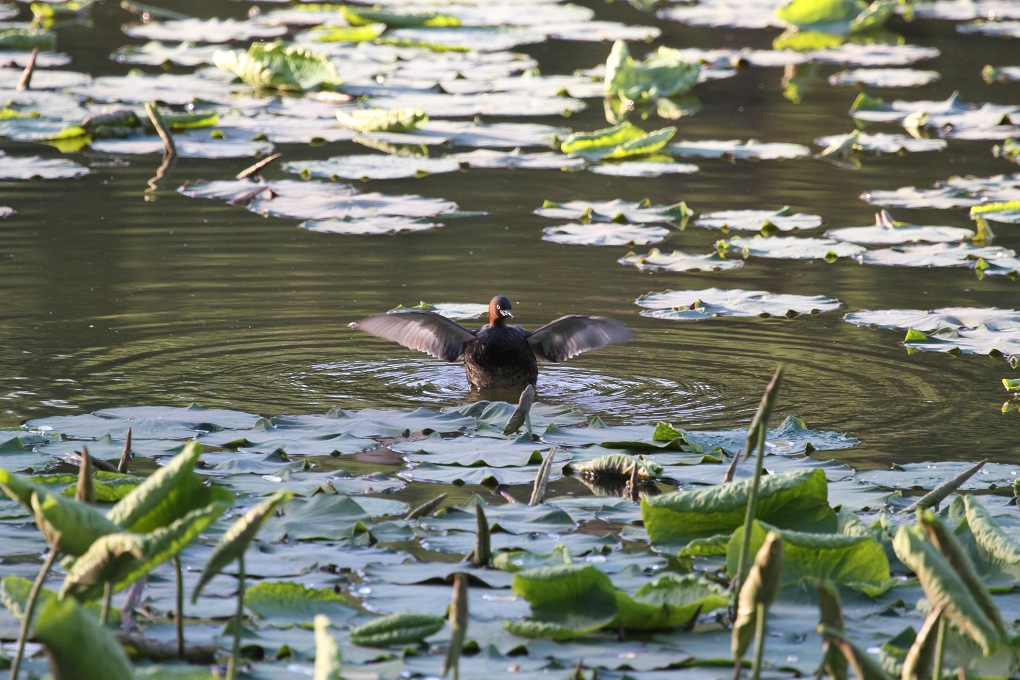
568, 336
424, 331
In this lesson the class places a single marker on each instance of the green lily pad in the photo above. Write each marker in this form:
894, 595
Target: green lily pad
666, 73
476, 451
204, 30
888, 231
169, 88
789, 247
836, 16
283, 604
37, 167
737, 149
884, 77
783, 219
314, 200
616, 210
934, 255
678, 261
278, 66
1007, 211
702, 304
605, 234
372, 166
145, 422
620, 141
380, 120
369, 226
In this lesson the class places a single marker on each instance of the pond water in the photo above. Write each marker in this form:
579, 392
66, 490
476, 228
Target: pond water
112, 295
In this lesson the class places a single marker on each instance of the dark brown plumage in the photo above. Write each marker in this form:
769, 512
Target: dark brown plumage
497, 355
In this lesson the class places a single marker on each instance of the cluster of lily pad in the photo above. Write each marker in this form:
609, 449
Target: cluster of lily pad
335, 550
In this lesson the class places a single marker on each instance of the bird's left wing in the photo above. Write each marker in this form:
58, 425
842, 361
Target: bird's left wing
568, 336
424, 331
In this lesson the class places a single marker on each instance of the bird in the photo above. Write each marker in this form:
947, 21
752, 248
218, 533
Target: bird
498, 355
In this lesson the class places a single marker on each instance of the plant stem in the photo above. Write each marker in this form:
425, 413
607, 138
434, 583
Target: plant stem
759, 640
179, 619
104, 613
940, 649
235, 653
26, 618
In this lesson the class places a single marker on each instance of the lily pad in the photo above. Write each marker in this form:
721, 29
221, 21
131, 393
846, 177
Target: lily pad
372, 166
646, 168
729, 13
679, 305
37, 167
666, 73
755, 220
620, 141
369, 226
187, 147
204, 30
616, 210
277, 66
788, 247
880, 142
955, 192
931, 320
738, 149
934, 255
605, 234
888, 231
884, 77
678, 261
487, 158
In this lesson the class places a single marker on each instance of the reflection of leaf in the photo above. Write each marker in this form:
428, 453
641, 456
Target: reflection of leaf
702, 304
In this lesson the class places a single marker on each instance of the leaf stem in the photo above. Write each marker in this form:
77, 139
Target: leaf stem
104, 612
179, 618
940, 649
759, 639
235, 652
26, 617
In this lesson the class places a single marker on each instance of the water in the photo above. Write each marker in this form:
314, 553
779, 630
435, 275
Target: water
113, 297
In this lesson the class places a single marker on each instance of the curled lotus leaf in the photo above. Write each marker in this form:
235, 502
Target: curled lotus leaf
400, 628
618, 465
382, 120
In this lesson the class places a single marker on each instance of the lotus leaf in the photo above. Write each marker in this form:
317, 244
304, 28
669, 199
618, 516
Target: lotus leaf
884, 77
614, 211
888, 231
374, 166
284, 604
836, 16
204, 30
36, 167
380, 120
703, 304
738, 149
678, 261
783, 219
486, 158
789, 247
934, 255
369, 226
278, 66
605, 234
644, 168
620, 141
666, 73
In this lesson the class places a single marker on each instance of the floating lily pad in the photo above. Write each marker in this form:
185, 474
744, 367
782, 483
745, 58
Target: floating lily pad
487, 158
605, 234
283, 129
879, 142
884, 77
678, 261
868, 53
155, 53
729, 13
620, 141
643, 168
888, 231
788, 248
932, 320
37, 167
6, 211
278, 66
439, 105
173, 89
1007, 211
204, 30
755, 220
372, 166
843, 17
43, 79
665, 73
314, 200
934, 255
738, 149
980, 340
681, 305
603, 31
186, 147
996, 29
616, 210
956, 192
369, 226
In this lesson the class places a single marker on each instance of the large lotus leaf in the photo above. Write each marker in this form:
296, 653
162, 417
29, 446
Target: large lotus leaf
65, 628
884, 77
513, 518
282, 129
927, 475
145, 422
278, 66
620, 141
372, 166
994, 552
931, 320
320, 517
489, 477
835, 16
70, 526
670, 601
888, 231
487, 158
283, 604
788, 247
204, 30
703, 304
789, 438
783, 219
858, 561
155, 53
737, 149
566, 602
37, 167
605, 234
934, 255
577, 85
678, 261
616, 210
665, 73
473, 451
315, 200
496, 413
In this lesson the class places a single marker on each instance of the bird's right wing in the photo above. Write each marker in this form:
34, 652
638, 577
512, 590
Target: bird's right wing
424, 331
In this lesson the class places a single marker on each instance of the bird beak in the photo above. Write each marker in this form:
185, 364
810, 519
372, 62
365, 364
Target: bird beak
506, 313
